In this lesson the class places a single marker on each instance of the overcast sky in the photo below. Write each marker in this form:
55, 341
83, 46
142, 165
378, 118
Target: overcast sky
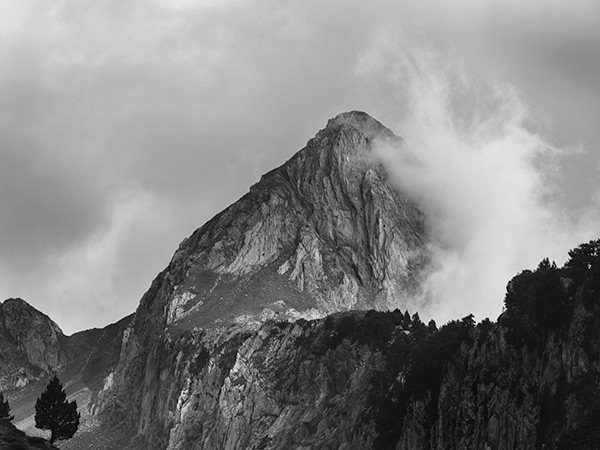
126, 124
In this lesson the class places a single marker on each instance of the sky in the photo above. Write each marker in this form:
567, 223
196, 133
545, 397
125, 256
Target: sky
127, 124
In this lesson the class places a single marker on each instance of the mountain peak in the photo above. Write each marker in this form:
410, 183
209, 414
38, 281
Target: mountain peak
31, 345
16, 302
16, 310
362, 122
324, 232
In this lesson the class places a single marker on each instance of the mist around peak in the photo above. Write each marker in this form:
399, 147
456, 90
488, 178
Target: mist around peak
483, 174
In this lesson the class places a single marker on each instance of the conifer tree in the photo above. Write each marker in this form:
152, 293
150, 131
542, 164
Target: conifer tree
5, 409
53, 412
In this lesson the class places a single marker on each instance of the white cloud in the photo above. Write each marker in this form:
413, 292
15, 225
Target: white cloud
186, 103
479, 171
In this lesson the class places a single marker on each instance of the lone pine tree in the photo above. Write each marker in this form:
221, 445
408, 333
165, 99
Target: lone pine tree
53, 412
5, 409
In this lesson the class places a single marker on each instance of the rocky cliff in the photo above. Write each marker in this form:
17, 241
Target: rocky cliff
308, 384
324, 232
32, 345
256, 336
384, 380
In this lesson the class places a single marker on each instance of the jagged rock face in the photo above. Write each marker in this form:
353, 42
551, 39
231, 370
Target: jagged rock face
32, 348
31, 344
274, 393
325, 232
340, 384
382, 380
285, 385
208, 364
322, 233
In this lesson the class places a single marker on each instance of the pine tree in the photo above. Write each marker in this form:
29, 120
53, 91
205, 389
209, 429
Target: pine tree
53, 412
5, 409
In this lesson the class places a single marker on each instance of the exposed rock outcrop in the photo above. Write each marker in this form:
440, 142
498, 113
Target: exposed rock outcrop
33, 347
324, 232
384, 380
309, 384
31, 344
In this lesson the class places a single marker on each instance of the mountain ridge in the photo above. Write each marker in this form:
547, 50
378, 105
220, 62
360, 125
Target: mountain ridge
324, 232
220, 354
230, 269
33, 349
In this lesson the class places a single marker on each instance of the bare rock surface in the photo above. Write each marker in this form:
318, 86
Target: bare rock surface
33, 348
308, 384
375, 380
31, 344
324, 232
255, 335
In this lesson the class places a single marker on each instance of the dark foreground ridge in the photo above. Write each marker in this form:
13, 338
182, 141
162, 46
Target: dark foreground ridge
13, 439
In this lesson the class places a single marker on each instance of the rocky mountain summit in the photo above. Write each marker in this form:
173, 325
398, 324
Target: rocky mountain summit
322, 233
282, 323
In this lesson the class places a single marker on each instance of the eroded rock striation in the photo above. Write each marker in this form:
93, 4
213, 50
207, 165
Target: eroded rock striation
324, 232
256, 336
308, 384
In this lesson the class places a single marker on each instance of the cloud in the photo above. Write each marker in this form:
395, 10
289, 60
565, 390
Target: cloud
483, 176
178, 107
97, 278
185, 104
